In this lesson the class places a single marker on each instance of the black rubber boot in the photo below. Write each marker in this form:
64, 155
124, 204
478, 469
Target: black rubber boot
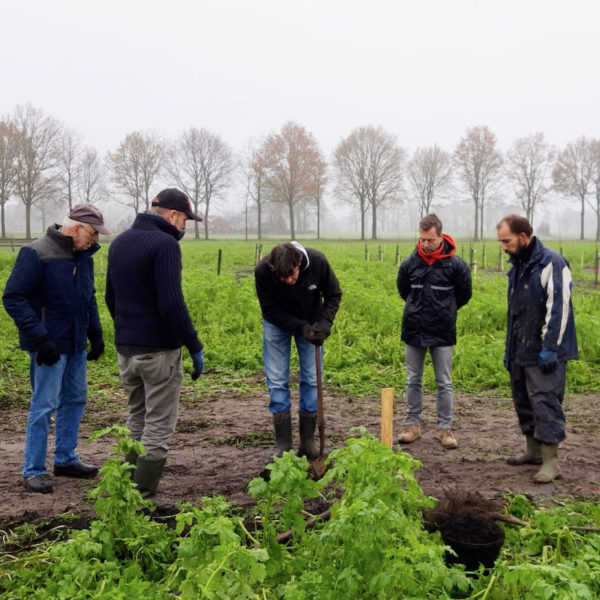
282, 422
308, 445
147, 475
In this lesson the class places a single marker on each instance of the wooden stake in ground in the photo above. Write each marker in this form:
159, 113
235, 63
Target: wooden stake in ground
387, 416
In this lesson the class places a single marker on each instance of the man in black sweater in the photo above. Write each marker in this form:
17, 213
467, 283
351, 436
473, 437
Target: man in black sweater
145, 300
299, 296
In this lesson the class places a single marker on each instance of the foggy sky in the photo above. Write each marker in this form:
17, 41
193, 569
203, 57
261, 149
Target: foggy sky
423, 69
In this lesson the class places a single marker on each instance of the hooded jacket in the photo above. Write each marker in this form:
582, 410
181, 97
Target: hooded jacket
540, 311
315, 295
50, 293
433, 294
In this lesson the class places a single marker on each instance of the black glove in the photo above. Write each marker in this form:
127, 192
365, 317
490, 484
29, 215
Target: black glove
307, 332
46, 353
96, 346
198, 360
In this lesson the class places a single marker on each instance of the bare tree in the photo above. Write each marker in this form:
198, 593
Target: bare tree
479, 162
67, 171
293, 162
9, 155
529, 166
369, 167
319, 187
91, 183
255, 175
37, 159
572, 173
429, 173
595, 150
134, 166
202, 165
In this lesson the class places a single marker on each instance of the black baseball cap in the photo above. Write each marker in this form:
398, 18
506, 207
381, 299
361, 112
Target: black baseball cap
176, 200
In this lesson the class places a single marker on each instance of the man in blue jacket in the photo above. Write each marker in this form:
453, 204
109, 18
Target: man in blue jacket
540, 340
434, 282
145, 299
51, 297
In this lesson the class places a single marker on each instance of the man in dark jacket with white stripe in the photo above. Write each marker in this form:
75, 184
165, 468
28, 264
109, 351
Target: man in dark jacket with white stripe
540, 340
50, 295
299, 297
152, 323
434, 283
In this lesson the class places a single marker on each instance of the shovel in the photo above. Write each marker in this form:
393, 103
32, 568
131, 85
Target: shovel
317, 463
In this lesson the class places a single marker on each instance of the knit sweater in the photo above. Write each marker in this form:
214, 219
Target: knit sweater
143, 288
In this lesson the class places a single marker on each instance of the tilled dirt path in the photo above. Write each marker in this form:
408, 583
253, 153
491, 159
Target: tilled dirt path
222, 442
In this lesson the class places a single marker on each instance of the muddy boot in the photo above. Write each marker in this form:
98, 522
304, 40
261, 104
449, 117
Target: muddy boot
308, 445
549, 471
147, 475
531, 456
282, 422
131, 457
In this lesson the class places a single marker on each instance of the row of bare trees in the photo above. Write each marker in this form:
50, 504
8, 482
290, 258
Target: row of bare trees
45, 165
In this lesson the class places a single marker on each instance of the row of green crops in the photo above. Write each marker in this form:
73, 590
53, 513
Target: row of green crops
364, 352
374, 546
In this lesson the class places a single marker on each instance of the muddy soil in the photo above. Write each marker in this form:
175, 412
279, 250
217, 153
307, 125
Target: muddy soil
224, 440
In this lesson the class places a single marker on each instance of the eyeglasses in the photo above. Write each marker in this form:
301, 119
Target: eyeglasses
93, 233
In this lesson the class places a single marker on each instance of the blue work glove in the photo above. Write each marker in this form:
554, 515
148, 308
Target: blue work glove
198, 360
547, 361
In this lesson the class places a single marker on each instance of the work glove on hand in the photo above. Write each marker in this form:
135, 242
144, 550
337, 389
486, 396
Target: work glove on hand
198, 360
96, 346
547, 361
320, 332
46, 352
307, 332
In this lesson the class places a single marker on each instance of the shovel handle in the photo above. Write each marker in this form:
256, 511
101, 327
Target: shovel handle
320, 411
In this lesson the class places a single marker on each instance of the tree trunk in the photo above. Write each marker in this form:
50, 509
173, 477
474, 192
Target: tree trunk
292, 228
28, 221
2, 219
582, 217
259, 217
374, 223
362, 225
476, 219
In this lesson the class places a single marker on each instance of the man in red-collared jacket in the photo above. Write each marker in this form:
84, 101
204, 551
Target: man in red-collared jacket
434, 282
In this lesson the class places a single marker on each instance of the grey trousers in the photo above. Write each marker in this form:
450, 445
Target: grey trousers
441, 357
538, 398
153, 384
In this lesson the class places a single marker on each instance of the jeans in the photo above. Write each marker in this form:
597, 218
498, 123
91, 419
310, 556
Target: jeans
59, 389
276, 356
538, 399
441, 357
153, 383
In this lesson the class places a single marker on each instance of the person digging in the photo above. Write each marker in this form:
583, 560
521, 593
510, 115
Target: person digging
299, 296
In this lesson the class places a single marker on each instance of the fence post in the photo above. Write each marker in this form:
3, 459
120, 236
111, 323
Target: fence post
381, 252
472, 261
500, 259
597, 266
387, 416
397, 261
483, 258
366, 252
219, 262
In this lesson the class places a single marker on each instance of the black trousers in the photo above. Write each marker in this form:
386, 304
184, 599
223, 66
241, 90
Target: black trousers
538, 398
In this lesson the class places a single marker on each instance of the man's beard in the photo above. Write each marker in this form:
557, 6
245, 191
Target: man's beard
519, 252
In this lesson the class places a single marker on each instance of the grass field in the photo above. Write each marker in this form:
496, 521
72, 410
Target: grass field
364, 352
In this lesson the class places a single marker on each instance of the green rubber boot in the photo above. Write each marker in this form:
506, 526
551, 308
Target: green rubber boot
147, 475
308, 445
549, 471
131, 457
282, 422
531, 456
